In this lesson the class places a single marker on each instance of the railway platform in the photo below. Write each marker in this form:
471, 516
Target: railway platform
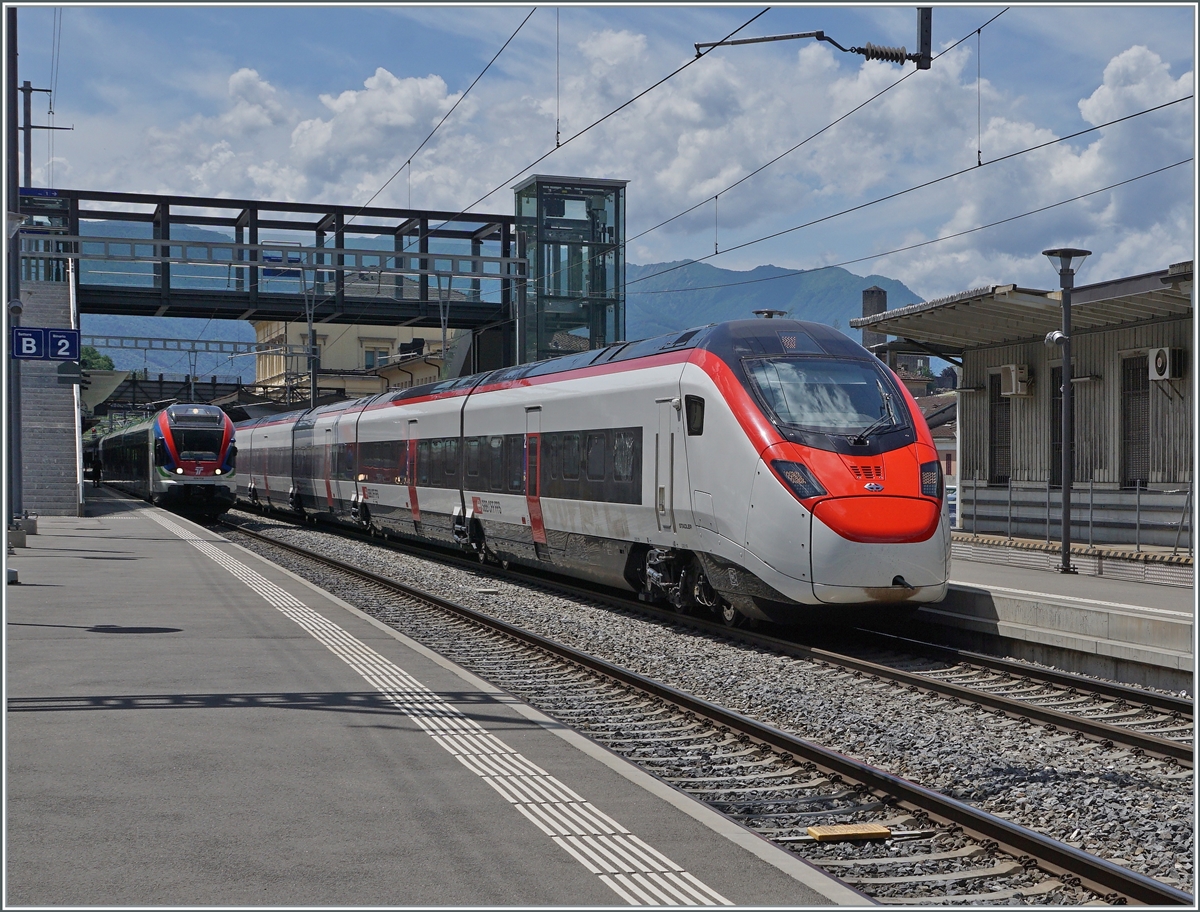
189, 724
1126, 630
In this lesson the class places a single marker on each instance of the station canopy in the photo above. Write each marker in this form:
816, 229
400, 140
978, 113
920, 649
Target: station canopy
1004, 314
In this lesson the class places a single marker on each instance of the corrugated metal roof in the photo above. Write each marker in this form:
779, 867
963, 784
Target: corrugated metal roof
1002, 314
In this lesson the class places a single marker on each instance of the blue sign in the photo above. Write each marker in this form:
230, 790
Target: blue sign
62, 344
28, 344
33, 344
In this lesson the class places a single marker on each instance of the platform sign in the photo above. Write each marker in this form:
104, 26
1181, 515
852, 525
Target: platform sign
62, 344
28, 344
31, 343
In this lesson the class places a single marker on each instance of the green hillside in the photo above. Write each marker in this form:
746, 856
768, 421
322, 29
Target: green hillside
830, 296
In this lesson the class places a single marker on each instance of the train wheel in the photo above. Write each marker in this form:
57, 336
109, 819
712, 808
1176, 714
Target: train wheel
730, 616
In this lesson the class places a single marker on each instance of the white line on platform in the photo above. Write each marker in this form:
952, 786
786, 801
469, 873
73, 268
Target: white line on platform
613, 852
1072, 598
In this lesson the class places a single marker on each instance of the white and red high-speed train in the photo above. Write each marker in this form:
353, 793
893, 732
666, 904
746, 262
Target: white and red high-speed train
753, 467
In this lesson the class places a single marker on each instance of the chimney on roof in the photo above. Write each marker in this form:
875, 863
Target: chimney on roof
874, 302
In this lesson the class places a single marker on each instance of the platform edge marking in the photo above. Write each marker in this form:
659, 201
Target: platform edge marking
364, 661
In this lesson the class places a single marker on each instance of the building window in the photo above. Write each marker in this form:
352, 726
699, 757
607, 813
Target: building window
999, 433
1135, 421
1056, 400
374, 357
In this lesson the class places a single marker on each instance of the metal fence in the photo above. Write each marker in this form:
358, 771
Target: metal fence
1143, 516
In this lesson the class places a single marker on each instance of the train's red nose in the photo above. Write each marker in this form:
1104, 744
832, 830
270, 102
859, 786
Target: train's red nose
879, 518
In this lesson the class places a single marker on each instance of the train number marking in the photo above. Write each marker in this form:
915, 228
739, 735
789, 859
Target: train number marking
479, 505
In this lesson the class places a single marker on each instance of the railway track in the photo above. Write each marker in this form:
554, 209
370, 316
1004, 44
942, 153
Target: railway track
1159, 725
931, 848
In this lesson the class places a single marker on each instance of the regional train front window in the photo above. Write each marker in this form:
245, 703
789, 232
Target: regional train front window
827, 396
199, 444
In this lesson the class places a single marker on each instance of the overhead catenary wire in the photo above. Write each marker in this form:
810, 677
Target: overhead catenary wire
813, 136
408, 161
569, 139
646, 91
920, 186
908, 247
937, 240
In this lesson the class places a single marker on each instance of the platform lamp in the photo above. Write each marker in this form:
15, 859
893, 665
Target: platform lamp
1065, 260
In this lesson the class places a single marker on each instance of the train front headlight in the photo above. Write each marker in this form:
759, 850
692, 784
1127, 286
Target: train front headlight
799, 478
179, 471
216, 471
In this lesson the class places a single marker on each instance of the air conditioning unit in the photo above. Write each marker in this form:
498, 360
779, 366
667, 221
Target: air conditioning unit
1166, 363
1014, 380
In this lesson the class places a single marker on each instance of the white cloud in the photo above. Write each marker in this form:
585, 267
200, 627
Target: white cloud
715, 122
256, 103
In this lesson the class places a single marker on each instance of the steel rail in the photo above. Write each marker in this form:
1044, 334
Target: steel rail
1183, 752
1166, 702
1056, 858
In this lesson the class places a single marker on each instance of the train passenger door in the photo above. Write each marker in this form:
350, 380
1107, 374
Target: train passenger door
664, 466
328, 465
533, 476
410, 472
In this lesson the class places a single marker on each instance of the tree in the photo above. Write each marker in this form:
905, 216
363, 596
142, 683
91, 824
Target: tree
90, 359
948, 379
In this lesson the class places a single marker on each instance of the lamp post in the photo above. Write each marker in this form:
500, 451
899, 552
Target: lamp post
1066, 266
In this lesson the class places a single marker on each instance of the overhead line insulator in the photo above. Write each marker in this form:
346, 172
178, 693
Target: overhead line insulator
880, 52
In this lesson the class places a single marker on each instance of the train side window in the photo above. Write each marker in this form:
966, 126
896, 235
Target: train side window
437, 451
473, 457
496, 463
160, 452
694, 405
451, 455
516, 462
570, 456
595, 457
550, 456
623, 456
423, 459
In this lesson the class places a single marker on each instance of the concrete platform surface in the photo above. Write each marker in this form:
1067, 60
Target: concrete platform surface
1135, 632
1094, 589
190, 725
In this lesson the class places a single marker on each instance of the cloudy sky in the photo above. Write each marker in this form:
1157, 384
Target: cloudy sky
325, 104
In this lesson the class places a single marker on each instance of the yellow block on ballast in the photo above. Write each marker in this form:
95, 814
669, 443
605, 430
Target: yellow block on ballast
838, 831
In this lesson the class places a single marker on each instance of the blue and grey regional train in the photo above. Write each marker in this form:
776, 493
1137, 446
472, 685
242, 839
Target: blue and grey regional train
757, 468
182, 458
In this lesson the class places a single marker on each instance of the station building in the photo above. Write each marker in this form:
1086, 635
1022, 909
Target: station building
1132, 369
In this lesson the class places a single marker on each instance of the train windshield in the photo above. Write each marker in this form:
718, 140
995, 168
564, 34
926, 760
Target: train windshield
200, 444
828, 396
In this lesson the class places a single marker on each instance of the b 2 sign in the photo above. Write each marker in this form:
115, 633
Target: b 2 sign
33, 344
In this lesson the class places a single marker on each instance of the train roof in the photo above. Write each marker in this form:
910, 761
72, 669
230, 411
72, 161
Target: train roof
734, 339
738, 338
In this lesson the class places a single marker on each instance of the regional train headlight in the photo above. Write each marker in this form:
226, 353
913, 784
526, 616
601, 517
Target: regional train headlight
799, 478
216, 471
931, 479
179, 471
